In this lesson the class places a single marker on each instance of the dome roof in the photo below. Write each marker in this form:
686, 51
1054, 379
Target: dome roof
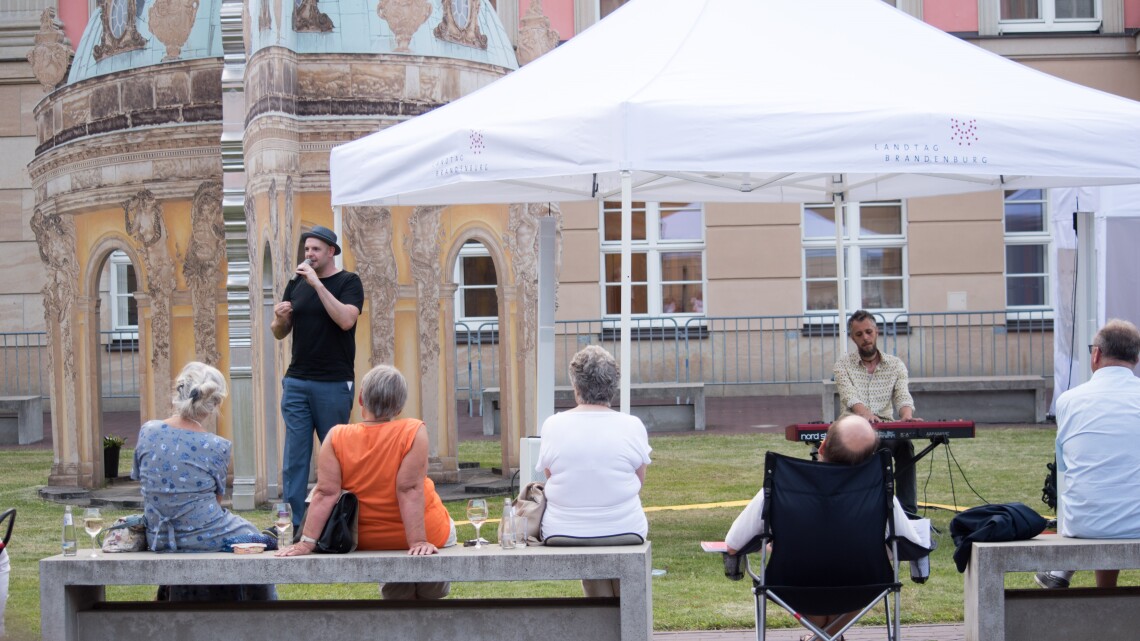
357, 28
204, 41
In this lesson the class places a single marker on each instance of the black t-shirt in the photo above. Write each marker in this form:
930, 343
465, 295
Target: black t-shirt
322, 351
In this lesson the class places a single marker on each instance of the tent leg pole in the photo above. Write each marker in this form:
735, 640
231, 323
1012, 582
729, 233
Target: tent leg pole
838, 199
626, 284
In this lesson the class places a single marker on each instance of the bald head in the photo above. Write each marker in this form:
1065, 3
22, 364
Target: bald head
850, 441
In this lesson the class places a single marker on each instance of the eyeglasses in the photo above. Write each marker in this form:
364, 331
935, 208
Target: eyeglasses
1091, 348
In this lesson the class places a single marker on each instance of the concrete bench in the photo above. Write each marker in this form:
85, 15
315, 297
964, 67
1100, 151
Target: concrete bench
73, 606
983, 399
663, 407
21, 420
993, 613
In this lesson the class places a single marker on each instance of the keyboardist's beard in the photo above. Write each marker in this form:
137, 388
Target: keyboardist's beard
869, 355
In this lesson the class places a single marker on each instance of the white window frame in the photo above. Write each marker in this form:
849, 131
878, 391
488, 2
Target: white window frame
654, 247
116, 263
475, 323
1049, 22
1044, 238
853, 244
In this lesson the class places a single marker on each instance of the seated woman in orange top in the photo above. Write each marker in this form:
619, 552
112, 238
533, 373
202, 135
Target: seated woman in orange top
383, 460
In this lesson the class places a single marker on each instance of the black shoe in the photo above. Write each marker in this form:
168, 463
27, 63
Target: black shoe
1050, 581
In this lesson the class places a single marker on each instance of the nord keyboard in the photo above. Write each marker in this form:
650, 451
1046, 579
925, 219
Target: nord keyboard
814, 432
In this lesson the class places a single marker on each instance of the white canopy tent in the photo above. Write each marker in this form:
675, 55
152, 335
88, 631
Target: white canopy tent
748, 100
1092, 279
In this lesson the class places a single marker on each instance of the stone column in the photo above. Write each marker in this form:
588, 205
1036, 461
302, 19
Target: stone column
237, 254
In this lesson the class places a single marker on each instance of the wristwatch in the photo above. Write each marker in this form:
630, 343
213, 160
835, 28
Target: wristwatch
308, 539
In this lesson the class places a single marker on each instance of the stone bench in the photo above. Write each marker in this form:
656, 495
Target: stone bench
663, 407
21, 420
993, 613
73, 606
982, 399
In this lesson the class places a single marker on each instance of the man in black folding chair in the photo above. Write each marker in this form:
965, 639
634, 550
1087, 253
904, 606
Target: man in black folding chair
823, 526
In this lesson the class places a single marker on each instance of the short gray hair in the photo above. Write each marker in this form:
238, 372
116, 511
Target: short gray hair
384, 391
198, 391
1119, 340
594, 374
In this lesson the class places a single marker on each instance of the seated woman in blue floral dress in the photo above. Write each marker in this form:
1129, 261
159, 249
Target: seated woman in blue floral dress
181, 468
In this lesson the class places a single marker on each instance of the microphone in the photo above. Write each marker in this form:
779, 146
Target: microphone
293, 282
296, 277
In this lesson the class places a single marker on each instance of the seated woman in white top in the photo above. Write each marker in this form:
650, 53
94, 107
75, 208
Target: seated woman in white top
594, 459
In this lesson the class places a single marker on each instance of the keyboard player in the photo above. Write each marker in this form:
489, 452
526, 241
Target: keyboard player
873, 385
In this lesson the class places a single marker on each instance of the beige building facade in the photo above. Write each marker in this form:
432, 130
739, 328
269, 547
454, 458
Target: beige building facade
161, 159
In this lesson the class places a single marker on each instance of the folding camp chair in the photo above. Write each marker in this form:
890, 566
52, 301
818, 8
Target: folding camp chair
829, 526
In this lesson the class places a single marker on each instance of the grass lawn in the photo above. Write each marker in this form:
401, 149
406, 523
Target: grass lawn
1002, 465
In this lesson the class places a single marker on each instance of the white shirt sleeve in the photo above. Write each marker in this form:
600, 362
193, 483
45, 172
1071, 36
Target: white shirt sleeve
747, 524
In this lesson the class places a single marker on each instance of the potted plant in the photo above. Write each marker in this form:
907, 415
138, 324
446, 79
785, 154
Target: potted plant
111, 446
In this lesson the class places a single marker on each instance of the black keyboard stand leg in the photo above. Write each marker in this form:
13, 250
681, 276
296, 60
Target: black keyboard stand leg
935, 441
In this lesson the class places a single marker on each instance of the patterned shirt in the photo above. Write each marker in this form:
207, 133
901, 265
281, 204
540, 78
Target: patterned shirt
882, 392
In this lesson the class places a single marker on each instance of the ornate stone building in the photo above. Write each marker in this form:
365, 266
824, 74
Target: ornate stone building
193, 139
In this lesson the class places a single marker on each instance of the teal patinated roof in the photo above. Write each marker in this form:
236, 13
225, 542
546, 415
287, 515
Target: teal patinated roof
357, 28
205, 41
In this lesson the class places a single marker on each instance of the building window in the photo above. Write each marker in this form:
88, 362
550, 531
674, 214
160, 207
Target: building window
668, 259
1027, 16
606, 7
476, 299
124, 307
1027, 239
875, 258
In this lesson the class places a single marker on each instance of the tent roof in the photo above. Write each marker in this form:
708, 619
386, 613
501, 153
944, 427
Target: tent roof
746, 100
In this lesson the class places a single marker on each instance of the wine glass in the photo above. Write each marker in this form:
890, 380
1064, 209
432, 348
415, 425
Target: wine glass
477, 514
93, 524
283, 522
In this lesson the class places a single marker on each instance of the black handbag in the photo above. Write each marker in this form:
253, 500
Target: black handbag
339, 535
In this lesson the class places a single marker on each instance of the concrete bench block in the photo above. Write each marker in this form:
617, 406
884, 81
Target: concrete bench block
663, 407
76, 588
500, 619
983, 399
21, 420
986, 606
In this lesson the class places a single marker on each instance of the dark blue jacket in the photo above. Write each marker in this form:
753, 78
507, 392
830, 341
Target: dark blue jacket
1004, 522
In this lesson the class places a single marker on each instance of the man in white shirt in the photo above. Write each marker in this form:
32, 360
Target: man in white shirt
1098, 449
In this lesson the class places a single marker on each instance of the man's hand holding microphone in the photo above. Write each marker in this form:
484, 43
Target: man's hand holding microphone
284, 310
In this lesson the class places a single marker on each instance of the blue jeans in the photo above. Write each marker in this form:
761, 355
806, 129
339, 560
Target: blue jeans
308, 406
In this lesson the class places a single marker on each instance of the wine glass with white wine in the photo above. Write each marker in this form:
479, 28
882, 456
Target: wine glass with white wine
93, 524
477, 514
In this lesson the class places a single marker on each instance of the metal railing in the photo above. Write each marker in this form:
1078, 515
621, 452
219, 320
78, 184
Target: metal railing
726, 351
762, 351
25, 362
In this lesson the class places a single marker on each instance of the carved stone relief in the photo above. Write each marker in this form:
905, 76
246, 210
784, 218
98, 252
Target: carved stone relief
536, 36
460, 24
422, 247
264, 19
369, 231
143, 215
278, 12
308, 18
119, 31
277, 243
203, 267
55, 238
50, 57
171, 21
404, 17
522, 240
288, 249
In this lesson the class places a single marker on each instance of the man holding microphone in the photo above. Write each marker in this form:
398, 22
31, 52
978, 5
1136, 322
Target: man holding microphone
320, 307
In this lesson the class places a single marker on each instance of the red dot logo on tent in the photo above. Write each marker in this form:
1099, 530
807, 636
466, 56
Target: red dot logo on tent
964, 132
476, 142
